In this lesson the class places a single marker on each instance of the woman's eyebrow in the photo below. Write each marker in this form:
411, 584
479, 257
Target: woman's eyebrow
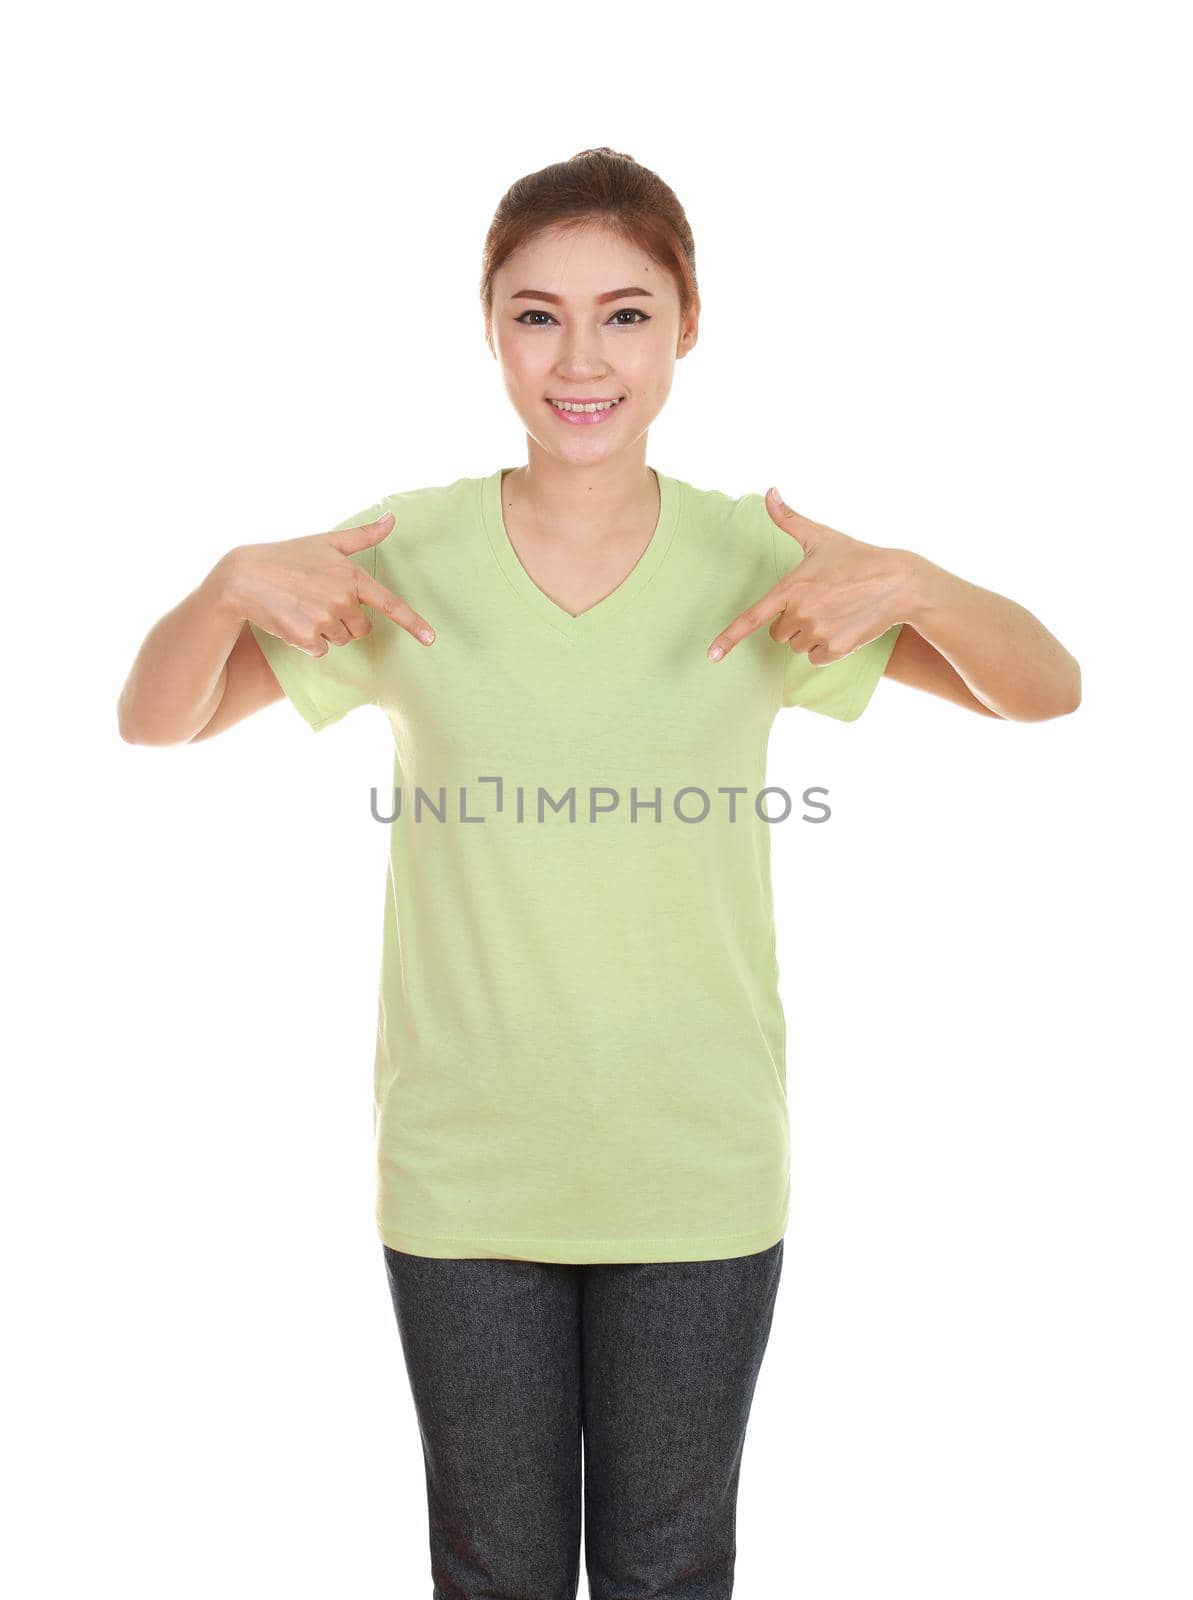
557, 300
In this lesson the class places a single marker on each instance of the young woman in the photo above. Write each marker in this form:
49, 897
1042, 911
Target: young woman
580, 1106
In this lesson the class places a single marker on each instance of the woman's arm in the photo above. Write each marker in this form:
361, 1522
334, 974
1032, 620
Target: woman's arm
1003, 656
177, 681
958, 641
200, 669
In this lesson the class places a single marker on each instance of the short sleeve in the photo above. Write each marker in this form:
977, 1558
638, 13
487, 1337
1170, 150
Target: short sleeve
841, 689
325, 688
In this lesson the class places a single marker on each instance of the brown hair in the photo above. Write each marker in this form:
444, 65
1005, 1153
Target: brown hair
599, 185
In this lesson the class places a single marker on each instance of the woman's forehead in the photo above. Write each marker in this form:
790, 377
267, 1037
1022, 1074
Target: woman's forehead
579, 265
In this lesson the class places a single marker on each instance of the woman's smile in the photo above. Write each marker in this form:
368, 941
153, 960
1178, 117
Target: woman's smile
577, 418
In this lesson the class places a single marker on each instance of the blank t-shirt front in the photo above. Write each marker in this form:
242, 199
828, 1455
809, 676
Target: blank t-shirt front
581, 1049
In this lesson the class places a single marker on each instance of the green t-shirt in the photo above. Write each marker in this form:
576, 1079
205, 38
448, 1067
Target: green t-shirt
581, 1050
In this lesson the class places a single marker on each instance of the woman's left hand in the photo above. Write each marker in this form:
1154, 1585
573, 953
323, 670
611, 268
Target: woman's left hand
842, 594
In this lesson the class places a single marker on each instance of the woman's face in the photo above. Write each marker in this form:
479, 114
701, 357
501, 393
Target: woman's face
564, 329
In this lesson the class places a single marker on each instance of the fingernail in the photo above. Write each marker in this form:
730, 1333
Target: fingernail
715, 652
426, 635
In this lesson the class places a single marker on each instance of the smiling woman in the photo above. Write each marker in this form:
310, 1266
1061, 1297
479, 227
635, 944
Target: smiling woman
577, 411
580, 1103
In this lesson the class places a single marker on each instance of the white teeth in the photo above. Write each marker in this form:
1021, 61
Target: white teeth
593, 405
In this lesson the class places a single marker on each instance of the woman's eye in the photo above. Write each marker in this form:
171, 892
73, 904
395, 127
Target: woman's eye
626, 311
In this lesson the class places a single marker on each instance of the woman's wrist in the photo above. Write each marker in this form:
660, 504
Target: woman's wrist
923, 587
222, 590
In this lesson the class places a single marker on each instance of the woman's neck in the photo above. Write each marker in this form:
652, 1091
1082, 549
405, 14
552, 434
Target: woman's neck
579, 505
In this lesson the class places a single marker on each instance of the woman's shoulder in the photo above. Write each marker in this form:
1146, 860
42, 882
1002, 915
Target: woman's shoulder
433, 498
422, 507
723, 502
723, 514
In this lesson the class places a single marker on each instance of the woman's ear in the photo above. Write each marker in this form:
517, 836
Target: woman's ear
689, 332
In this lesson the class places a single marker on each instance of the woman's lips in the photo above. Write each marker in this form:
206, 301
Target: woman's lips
584, 419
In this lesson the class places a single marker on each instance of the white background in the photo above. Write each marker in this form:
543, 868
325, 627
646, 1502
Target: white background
945, 277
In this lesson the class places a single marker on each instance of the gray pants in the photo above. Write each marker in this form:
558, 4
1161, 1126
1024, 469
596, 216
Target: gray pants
649, 1368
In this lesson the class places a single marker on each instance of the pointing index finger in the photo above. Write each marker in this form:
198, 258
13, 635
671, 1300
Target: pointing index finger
748, 622
394, 607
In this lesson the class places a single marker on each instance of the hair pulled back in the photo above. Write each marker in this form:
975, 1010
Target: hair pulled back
599, 185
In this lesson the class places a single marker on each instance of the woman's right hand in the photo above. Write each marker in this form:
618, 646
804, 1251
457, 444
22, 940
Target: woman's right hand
308, 593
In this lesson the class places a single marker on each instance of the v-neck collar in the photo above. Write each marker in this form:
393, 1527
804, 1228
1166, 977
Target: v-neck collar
597, 616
